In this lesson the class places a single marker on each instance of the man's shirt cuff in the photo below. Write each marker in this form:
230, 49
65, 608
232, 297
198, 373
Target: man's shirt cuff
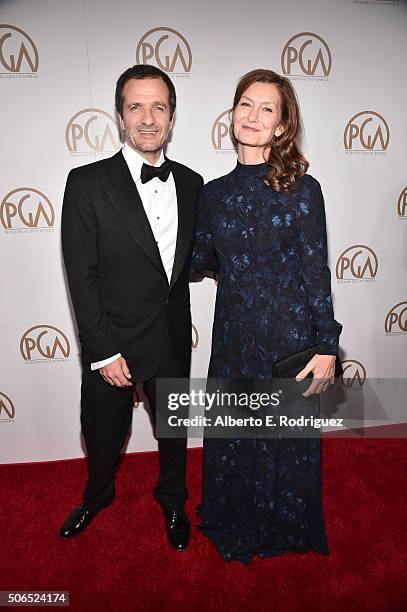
100, 364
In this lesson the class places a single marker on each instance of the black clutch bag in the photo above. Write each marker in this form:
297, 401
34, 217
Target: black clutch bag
291, 365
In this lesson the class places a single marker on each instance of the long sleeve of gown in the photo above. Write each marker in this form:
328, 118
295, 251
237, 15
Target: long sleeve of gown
311, 225
204, 256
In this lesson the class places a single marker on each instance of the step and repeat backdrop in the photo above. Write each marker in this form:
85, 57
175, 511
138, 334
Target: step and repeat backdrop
59, 62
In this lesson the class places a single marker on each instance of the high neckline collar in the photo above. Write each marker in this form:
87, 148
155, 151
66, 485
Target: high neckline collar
250, 168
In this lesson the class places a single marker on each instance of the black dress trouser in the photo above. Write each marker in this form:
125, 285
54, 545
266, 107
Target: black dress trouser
106, 414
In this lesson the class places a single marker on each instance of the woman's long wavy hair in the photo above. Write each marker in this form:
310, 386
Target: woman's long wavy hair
286, 161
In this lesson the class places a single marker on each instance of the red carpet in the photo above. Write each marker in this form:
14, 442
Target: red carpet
123, 562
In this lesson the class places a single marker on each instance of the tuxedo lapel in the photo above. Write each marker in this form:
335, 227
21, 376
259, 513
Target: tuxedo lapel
123, 194
186, 220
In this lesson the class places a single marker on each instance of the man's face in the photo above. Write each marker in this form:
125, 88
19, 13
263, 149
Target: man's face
146, 116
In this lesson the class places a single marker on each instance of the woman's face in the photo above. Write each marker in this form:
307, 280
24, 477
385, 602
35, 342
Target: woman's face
257, 116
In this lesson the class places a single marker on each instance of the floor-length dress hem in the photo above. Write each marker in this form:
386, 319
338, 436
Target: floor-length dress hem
263, 553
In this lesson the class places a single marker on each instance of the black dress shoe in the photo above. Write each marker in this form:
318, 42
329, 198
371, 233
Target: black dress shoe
177, 529
79, 519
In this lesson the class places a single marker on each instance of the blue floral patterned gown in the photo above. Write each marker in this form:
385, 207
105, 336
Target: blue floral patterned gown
263, 496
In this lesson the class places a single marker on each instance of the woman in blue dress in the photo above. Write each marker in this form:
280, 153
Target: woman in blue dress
264, 225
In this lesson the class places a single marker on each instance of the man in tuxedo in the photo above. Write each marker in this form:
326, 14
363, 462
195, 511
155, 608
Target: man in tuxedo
127, 235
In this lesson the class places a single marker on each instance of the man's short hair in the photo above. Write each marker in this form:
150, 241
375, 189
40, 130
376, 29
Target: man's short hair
144, 71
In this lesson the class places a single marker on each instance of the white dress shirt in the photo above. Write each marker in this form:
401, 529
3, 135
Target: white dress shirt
159, 199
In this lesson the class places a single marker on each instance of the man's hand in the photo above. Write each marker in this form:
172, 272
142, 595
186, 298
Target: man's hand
323, 370
117, 373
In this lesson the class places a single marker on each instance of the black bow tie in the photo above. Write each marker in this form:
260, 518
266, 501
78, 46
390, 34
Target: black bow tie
162, 172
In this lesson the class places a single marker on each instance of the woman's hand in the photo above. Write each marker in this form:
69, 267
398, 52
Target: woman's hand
323, 370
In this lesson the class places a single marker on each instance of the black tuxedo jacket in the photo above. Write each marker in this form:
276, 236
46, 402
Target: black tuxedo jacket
118, 285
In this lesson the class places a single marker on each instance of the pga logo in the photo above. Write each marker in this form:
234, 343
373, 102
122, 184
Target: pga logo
92, 130
165, 48
366, 131
26, 208
18, 52
44, 342
306, 54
